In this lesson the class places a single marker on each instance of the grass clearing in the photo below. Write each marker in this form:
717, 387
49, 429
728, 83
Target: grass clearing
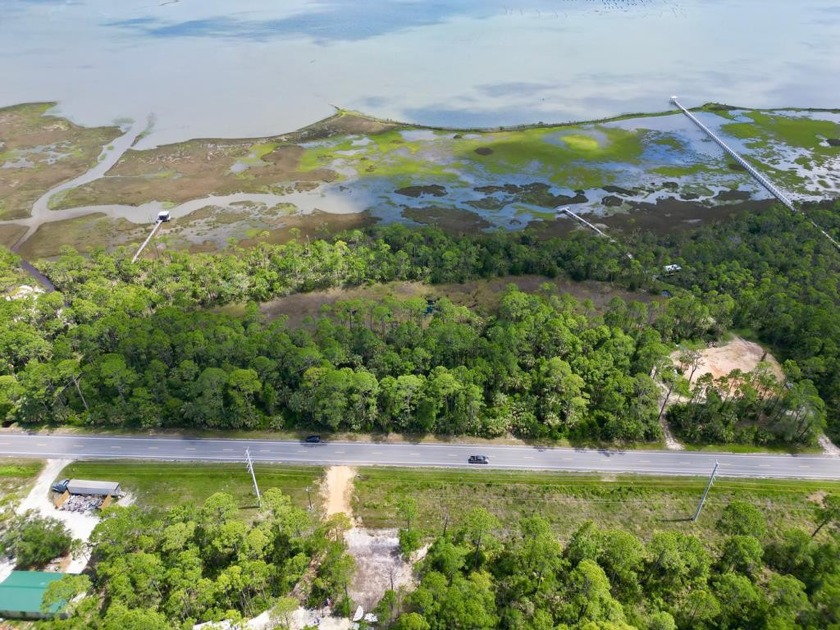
481, 295
16, 475
638, 504
20, 469
164, 484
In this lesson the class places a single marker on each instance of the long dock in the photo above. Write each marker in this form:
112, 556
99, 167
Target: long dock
158, 223
778, 194
584, 221
566, 210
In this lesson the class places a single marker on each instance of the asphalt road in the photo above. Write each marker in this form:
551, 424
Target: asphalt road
420, 455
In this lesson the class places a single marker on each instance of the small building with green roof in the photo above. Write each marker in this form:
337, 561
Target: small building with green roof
22, 592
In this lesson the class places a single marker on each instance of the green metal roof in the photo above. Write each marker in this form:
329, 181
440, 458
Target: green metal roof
23, 591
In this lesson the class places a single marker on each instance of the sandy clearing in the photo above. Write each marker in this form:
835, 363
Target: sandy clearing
736, 354
80, 525
6, 568
379, 565
671, 443
337, 489
301, 618
828, 446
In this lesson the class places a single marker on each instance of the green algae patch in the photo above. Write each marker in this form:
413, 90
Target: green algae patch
795, 131
682, 171
384, 155
581, 143
255, 155
565, 156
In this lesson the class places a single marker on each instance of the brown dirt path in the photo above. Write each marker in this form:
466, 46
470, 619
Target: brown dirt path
337, 490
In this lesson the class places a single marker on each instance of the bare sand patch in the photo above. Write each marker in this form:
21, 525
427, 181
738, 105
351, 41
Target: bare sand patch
379, 565
337, 490
737, 354
828, 446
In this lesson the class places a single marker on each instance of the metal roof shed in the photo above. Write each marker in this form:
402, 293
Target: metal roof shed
95, 488
22, 592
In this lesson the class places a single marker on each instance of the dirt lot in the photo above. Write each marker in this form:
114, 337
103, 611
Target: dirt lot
379, 566
80, 525
736, 354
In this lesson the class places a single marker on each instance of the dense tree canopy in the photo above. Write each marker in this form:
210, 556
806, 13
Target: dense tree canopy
542, 367
612, 579
133, 344
34, 541
189, 564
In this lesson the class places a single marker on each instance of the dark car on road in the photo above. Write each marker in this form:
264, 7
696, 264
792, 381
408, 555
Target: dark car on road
313, 439
479, 459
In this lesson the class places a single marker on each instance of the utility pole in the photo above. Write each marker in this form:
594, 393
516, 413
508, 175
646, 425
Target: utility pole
254, 477
706, 492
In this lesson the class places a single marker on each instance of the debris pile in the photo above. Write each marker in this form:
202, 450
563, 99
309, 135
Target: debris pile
82, 504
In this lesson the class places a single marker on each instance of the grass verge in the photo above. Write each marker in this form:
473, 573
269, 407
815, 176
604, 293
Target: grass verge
165, 484
789, 449
638, 504
16, 475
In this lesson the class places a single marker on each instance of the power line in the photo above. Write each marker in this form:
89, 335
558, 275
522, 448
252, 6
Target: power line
706, 492
253, 476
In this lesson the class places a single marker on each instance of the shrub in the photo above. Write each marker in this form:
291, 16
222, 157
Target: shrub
35, 540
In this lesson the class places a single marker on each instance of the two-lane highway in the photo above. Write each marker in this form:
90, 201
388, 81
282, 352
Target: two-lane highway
421, 455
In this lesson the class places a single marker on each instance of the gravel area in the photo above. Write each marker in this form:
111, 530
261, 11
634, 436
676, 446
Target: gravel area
80, 524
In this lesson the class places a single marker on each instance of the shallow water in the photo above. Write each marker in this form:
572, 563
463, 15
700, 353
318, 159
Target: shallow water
218, 68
